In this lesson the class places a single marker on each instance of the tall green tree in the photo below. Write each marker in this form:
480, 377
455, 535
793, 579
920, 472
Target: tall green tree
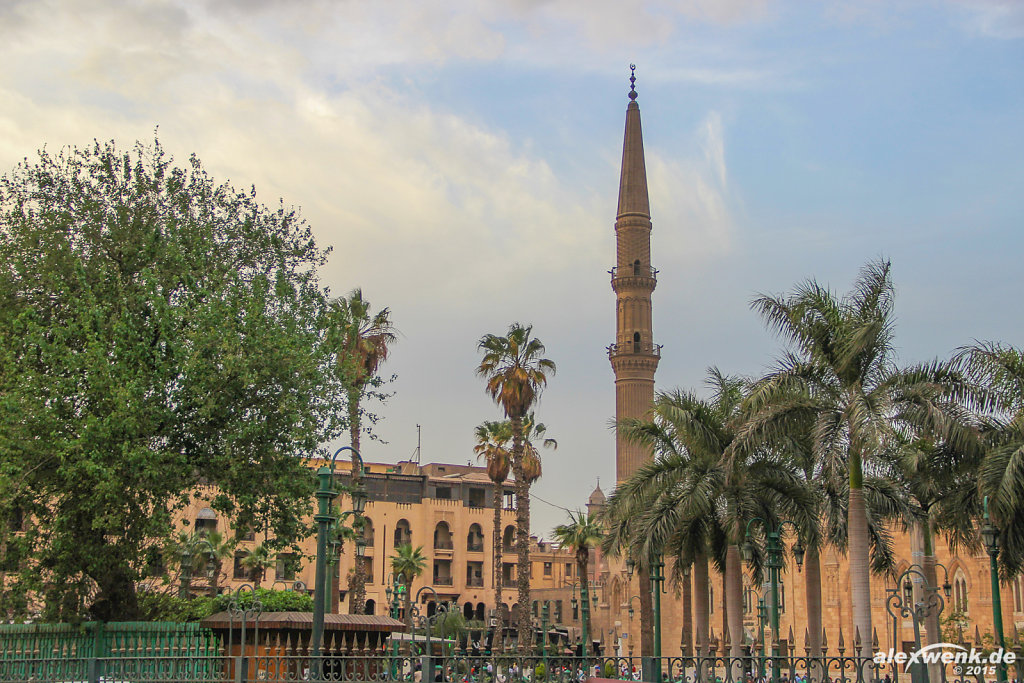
408, 563
582, 533
362, 340
840, 363
157, 330
516, 373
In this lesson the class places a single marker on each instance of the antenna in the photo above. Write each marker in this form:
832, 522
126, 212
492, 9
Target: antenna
419, 435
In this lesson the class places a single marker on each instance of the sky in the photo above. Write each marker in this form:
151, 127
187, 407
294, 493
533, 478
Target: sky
462, 158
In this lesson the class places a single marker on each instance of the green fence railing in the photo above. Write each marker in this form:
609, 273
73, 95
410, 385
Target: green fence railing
72, 646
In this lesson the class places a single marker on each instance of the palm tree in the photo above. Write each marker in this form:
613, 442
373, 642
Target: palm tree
223, 549
257, 561
582, 533
492, 439
533, 433
408, 563
516, 374
703, 487
848, 388
999, 372
363, 341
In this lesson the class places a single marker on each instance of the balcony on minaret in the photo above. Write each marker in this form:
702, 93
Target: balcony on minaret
634, 276
634, 348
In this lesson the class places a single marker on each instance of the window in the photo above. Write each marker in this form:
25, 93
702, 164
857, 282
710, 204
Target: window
206, 521
475, 574
568, 570
367, 568
508, 539
558, 611
443, 537
782, 597
534, 610
154, 562
443, 493
246, 534
368, 531
403, 533
960, 592
711, 599
509, 500
475, 539
240, 572
477, 498
286, 566
547, 569
442, 572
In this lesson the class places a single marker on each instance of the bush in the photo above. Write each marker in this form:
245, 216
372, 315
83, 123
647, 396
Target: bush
168, 607
540, 672
609, 669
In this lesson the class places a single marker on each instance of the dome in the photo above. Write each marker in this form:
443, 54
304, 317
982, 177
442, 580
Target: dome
597, 498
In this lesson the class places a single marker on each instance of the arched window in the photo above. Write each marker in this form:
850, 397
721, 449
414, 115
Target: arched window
508, 539
368, 531
467, 611
475, 539
443, 537
636, 267
636, 337
960, 592
481, 611
206, 521
371, 606
403, 533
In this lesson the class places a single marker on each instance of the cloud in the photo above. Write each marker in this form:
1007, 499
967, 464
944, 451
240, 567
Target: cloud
994, 18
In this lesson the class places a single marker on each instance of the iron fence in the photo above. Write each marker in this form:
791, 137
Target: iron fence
299, 664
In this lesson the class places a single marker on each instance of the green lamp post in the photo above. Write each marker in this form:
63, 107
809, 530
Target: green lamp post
657, 566
325, 496
774, 549
990, 534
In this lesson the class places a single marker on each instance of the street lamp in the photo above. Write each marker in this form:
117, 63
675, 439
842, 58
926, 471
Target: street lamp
905, 606
657, 566
774, 548
325, 496
584, 605
990, 534
631, 613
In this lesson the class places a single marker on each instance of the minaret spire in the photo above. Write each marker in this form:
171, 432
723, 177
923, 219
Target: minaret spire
634, 355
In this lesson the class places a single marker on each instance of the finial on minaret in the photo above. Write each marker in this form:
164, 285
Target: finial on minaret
632, 82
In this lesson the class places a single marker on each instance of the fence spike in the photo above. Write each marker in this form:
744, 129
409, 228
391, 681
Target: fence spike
791, 638
977, 636
726, 641
842, 642
874, 639
824, 640
856, 639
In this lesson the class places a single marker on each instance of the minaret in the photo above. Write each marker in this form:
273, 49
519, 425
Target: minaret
634, 355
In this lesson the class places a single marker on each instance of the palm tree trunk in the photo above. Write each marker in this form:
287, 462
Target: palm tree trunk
357, 579
522, 535
812, 591
499, 634
702, 615
686, 637
335, 570
734, 603
928, 566
646, 613
860, 570
581, 569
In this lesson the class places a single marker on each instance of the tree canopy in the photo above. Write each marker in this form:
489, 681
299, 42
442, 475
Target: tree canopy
158, 332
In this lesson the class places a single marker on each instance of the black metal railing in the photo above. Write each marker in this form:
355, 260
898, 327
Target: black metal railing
634, 270
629, 347
462, 660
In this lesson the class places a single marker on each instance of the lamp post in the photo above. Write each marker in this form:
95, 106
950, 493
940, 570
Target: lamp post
584, 606
774, 548
762, 616
188, 551
657, 566
631, 613
544, 615
990, 534
901, 599
325, 496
